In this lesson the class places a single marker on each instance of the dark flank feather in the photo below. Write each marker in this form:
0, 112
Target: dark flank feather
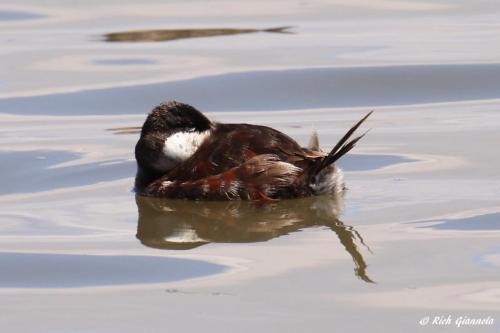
258, 179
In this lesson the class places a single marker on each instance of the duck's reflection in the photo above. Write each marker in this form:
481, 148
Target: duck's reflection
182, 225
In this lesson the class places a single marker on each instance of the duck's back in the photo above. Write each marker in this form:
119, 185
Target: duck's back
230, 145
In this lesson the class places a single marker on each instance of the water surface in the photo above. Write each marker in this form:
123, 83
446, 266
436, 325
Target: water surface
39, 170
281, 90
8, 15
173, 34
184, 225
482, 222
70, 220
360, 162
34, 270
124, 62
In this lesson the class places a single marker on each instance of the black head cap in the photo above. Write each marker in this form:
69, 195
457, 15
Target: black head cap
174, 116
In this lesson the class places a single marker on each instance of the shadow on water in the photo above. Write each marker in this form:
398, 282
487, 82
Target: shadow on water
125, 130
275, 90
124, 62
184, 225
42, 169
365, 162
473, 223
163, 35
50, 270
11, 15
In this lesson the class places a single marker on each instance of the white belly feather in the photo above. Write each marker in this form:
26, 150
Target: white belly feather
329, 180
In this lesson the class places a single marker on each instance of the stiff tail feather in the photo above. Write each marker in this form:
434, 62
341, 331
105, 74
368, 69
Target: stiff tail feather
342, 147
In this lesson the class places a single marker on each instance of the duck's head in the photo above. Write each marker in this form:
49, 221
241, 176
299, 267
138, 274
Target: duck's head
171, 133
172, 117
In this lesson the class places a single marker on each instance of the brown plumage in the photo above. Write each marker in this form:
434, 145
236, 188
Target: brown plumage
181, 154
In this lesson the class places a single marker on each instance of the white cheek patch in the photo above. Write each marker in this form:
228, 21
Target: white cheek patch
182, 145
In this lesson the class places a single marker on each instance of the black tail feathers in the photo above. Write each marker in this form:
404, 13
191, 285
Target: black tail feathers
342, 147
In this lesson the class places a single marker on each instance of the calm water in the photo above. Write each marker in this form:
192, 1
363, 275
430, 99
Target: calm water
29, 270
416, 234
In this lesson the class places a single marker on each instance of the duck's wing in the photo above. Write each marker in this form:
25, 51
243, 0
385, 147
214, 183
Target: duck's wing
230, 145
259, 179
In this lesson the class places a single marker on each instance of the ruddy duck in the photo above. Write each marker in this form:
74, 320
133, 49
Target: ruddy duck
182, 154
